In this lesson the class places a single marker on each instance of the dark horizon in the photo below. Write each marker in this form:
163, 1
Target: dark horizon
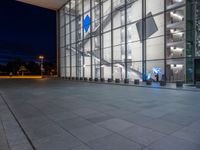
26, 32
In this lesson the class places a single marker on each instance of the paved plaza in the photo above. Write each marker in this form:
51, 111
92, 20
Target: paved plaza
47, 114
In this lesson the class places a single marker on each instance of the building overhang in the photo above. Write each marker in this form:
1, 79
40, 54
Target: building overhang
49, 4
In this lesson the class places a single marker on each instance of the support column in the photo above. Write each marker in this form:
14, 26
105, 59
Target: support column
83, 46
126, 46
91, 41
76, 18
100, 35
65, 48
112, 41
165, 40
70, 30
144, 40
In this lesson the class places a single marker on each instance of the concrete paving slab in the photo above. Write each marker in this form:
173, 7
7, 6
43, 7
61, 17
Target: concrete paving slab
56, 114
115, 142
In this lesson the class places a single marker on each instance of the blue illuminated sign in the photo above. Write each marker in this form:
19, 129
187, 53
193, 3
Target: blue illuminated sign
156, 70
87, 22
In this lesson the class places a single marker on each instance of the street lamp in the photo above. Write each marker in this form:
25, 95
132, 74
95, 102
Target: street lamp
41, 64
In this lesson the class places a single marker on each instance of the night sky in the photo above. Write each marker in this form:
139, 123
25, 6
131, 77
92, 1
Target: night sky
26, 31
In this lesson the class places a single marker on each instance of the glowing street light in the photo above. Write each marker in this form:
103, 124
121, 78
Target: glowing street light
41, 57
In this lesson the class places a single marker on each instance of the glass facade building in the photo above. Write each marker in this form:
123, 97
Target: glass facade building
129, 39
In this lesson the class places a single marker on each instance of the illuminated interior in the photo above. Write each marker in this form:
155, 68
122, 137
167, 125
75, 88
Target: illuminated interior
124, 39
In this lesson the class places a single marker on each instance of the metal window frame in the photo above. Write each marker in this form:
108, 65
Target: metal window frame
91, 40
144, 40
83, 46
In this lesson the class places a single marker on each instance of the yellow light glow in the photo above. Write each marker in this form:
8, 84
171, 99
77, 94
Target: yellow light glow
176, 49
21, 77
176, 15
41, 57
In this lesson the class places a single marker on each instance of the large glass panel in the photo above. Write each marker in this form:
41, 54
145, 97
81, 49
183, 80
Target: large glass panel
67, 13
118, 3
155, 48
62, 31
87, 68
79, 7
95, 16
68, 56
106, 51
134, 70
106, 55
155, 51
106, 71
134, 7
154, 6
155, 43
87, 59
62, 17
73, 71
68, 71
79, 59
86, 6
106, 61
96, 57
79, 21
118, 17
62, 71
62, 41
73, 33
134, 43
118, 71
67, 16
106, 16
73, 55
118, 60
62, 57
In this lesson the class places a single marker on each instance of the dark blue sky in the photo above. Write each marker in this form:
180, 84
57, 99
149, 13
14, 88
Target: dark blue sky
26, 31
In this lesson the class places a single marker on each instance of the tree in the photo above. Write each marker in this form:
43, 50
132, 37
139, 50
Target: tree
50, 68
34, 68
22, 69
13, 66
3, 69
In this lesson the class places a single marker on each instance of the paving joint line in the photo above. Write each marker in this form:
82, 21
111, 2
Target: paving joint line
18, 122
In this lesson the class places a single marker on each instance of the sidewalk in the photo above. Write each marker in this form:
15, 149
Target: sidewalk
11, 135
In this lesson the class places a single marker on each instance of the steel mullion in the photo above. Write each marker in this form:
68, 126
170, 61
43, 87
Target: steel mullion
125, 39
83, 46
91, 45
100, 38
112, 38
70, 30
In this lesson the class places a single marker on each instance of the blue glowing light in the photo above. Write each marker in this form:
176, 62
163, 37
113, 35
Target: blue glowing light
148, 76
156, 70
87, 22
